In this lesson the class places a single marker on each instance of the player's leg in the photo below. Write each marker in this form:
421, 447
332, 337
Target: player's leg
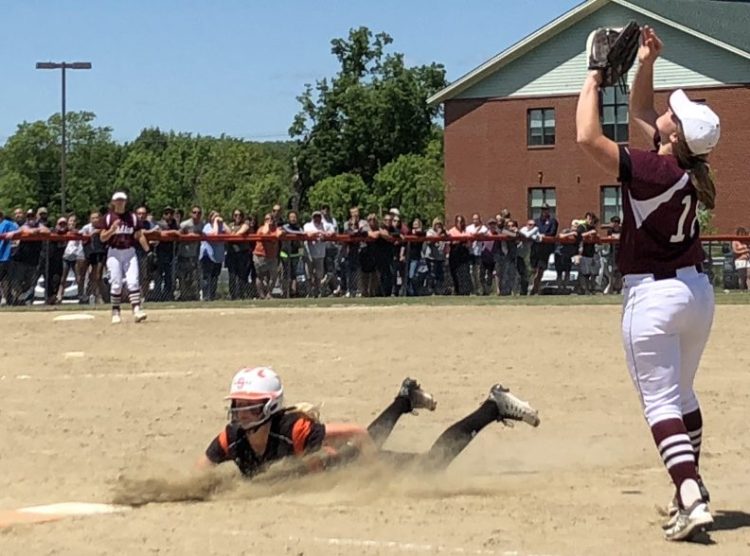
499, 406
410, 397
114, 266
132, 279
650, 331
693, 339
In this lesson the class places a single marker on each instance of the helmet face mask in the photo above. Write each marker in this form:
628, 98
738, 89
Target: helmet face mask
256, 395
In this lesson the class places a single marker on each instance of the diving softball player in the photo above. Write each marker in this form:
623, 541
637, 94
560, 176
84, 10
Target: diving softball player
120, 231
262, 430
668, 301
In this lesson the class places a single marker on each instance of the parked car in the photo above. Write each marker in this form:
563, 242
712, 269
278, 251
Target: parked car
549, 284
70, 293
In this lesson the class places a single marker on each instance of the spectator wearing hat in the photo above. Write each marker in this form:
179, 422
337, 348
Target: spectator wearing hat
527, 234
165, 256
540, 252
587, 231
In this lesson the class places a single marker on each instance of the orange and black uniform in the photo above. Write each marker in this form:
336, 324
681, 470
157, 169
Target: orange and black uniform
292, 434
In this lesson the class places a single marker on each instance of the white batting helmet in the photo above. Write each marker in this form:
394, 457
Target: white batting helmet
258, 384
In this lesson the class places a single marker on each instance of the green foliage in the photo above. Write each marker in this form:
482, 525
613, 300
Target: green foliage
706, 219
371, 112
414, 184
341, 192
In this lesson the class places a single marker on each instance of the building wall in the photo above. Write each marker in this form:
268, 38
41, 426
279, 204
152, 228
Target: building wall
488, 165
558, 66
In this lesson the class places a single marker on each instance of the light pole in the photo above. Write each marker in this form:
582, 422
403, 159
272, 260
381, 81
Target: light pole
63, 66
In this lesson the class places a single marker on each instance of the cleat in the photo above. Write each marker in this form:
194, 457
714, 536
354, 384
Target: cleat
511, 407
139, 315
116, 318
418, 398
674, 507
687, 523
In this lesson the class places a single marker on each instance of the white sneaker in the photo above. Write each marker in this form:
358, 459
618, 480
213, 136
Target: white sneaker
116, 318
139, 315
688, 522
513, 408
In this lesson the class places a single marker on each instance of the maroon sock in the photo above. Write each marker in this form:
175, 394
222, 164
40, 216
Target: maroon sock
694, 425
676, 451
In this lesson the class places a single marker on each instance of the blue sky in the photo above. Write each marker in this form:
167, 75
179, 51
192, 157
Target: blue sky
231, 67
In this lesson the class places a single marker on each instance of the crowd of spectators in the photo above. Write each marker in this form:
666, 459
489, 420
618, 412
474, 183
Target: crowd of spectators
503, 258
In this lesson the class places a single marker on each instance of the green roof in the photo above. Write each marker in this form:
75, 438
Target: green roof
724, 20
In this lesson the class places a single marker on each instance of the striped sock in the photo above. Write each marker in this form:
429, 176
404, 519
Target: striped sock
135, 298
115, 301
694, 425
677, 453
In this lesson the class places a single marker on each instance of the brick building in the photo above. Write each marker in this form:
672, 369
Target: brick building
510, 136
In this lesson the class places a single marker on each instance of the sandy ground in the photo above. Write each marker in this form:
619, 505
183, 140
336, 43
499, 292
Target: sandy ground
143, 402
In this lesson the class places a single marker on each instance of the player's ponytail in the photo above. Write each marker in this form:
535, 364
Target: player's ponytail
699, 170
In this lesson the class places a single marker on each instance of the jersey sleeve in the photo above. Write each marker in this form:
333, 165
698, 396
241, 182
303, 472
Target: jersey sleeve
218, 450
646, 174
307, 435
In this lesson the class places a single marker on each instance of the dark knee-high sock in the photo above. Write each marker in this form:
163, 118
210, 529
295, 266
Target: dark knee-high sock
694, 425
380, 429
115, 298
676, 451
457, 437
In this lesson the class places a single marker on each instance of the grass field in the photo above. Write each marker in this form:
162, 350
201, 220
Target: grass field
95, 413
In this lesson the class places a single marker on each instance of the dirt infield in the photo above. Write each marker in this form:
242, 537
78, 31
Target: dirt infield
89, 411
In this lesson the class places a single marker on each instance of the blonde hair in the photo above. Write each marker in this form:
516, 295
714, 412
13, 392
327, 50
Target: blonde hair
698, 169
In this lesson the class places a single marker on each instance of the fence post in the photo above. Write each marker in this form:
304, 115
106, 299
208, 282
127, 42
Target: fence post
47, 286
405, 277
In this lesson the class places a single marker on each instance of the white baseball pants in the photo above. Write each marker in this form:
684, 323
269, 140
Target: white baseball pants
665, 328
122, 263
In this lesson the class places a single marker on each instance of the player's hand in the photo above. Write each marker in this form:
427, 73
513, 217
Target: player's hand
114, 226
651, 46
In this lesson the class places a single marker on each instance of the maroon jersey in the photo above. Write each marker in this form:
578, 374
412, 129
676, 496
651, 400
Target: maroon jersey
128, 225
660, 231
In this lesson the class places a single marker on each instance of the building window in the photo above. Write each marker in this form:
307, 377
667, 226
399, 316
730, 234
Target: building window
541, 127
613, 105
611, 202
538, 196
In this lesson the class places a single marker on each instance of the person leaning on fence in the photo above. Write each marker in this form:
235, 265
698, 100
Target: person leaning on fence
7, 226
612, 272
26, 260
540, 252
56, 265
492, 257
146, 261
416, 271
434, 253
212, 254
352, 252
586, 231
238, 256
187, 256
315, 251
741, 252
459, 258
266, 257
292, 256
476, 228
528, 234
73, 258
94, 255
165, 256
508, 248
565, 250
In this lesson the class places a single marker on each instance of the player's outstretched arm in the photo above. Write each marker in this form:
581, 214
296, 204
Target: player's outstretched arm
603, 150
642, 110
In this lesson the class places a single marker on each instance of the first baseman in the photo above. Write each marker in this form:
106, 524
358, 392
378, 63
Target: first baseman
120, 230
668, 300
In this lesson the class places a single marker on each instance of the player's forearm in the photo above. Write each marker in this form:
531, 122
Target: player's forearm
588, 126
642, 92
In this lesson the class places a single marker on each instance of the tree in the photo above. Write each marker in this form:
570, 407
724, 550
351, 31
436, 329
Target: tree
341, 193
371, 112
414, 184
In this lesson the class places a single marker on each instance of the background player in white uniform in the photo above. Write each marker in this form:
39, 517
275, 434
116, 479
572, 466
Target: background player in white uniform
120, 231
668, 301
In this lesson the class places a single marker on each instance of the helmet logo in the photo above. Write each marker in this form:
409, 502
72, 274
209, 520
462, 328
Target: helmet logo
261, 373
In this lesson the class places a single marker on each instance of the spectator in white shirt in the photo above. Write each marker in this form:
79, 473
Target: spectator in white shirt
528, 233
476, 228
315, 250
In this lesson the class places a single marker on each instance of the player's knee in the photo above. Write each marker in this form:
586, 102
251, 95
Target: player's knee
658, 413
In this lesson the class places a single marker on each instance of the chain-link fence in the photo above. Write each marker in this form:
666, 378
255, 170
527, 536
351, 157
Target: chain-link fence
53, 269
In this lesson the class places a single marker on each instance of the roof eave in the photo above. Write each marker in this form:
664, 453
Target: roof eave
518, 49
